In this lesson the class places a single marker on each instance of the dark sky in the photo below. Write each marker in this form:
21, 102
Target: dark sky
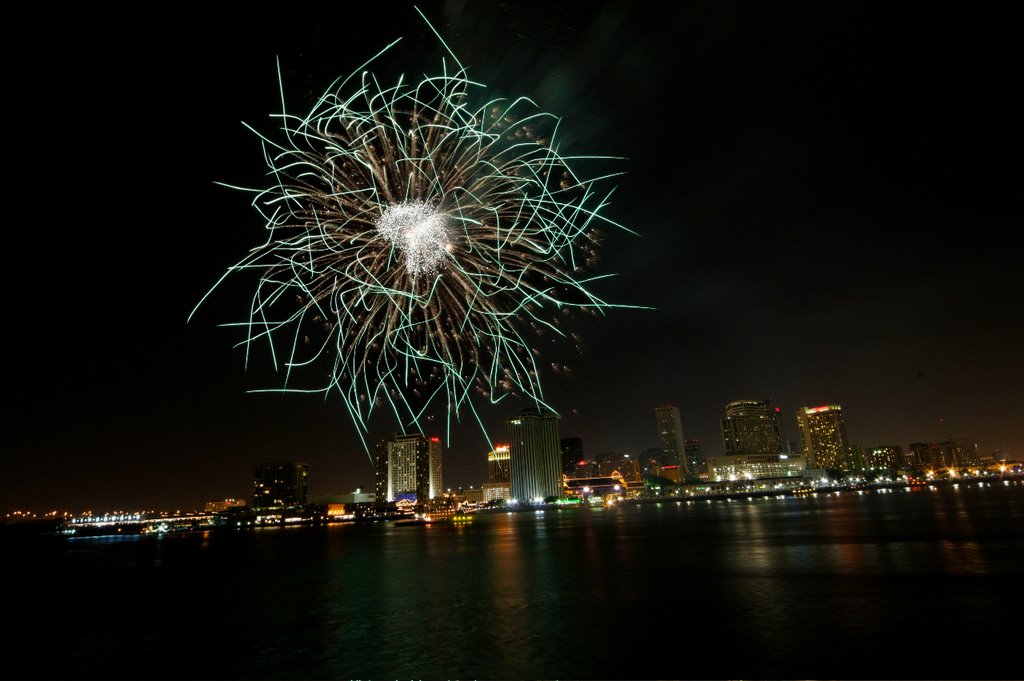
827, 197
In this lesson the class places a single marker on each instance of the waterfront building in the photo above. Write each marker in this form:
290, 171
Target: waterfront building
346, 506
823, 436
494, 491
857, 459
731, 467
535, 459
596, 487
670, 434
673, 472
611, 463
223, 505
498, 465
436, 479
963, 452
280, 484
887, 456
752, 427
408, 466
473, 495
356, 496
949, 454
498, 485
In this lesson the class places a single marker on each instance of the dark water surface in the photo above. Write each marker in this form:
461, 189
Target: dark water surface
899, 585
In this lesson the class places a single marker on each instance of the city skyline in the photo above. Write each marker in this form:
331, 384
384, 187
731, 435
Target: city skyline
486, 461
825, 218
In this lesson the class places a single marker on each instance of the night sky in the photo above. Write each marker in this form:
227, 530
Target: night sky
826, 196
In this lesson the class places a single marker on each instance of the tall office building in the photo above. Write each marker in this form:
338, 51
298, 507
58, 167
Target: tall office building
498, 485
823, 436
497, 464
670, 434
280, 484
752, 427
535, 459
408, 465
572, 454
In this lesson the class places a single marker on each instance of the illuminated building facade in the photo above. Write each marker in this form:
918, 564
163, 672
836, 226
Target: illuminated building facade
498, 485
408, 465
535, 458
280, 484
856, 461
823, 436
436, 481
223, 505
670, 434
497, 464
754, 467
890, 456
493, 491
596, 487
752, 427
611, 463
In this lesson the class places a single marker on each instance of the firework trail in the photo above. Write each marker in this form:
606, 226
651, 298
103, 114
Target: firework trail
415, 242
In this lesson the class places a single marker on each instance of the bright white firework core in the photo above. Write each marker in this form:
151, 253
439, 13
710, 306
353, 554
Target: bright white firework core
420, 231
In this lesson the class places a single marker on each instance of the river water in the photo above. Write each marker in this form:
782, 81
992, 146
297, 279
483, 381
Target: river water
903, 584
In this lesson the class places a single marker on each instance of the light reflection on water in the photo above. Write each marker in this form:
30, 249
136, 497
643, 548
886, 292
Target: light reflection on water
776, 588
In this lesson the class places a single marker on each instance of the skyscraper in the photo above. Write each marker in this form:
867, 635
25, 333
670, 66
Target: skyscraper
280, 484
670, 434
752, 427
823, 436
498, 485
535, 460
497, 464
408, 465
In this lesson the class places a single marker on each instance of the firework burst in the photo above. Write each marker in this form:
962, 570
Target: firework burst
415, 242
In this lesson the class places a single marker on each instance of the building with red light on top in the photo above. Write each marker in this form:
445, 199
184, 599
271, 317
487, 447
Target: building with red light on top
408, 464
823, 436
498, 485
752, 427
